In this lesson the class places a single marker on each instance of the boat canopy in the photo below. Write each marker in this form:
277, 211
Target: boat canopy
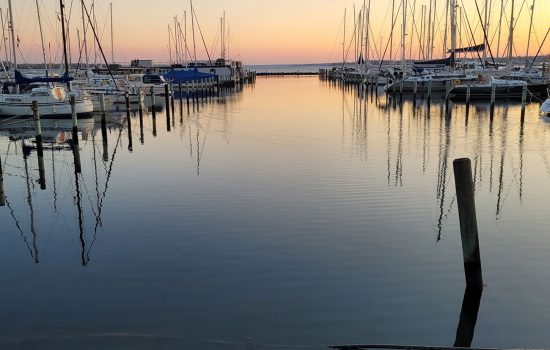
475, 48
440, 62
20, 78
186, 75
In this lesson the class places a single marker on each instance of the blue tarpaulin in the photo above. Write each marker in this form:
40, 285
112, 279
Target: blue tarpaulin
186, 75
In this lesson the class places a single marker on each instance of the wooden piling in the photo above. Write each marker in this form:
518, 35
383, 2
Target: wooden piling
187, 93
154, 112
468, 96
140, 98
523, 101
415, 89
140, 111
180, 90
468, 222
39, 145
102, 107
2, 194
493, 97
76, 147
171, 91
104, 141
129, 121
167, 100
429, 91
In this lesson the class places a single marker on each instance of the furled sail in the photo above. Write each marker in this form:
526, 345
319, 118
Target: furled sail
20, 78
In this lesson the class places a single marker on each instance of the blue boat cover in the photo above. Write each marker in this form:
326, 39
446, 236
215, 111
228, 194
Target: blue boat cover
20, 78
186, 75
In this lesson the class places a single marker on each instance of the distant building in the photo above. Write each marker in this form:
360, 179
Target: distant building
141, 63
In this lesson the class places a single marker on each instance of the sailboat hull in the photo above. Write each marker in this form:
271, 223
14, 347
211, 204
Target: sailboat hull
47, 110
514, 92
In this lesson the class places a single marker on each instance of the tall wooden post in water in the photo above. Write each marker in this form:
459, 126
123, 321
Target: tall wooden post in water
76, 149
39, 145
468, 222
2, 194
167, 101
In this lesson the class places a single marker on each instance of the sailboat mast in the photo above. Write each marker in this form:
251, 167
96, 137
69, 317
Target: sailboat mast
446, 28
391, 33
169, 45
193, 29
511, 37
500, 27
4, 40
112, 37
85, 35
221, 35
185, 36
65, 56
42, 38
176, 46
427, 44
433, 30
529, 36
485, 29
403, 35
412, 29
344, 41
453, 30
13, 43
367, 51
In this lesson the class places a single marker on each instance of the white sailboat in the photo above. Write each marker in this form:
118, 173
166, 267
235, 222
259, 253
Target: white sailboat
53, 101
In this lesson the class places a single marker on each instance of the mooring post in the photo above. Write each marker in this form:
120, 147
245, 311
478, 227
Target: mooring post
187, 93
74, 115
140, 111
415, 89
129, 121
180, 90
2, 194
39, 145
429, 92
447, 90
154, 112
493, 97
523, 101
76, 149
140, 98
167, 100
102, 107
172, 98
105, 142
468, 96
468, 222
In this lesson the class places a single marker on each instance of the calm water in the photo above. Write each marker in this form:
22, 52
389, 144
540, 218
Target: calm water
292, 214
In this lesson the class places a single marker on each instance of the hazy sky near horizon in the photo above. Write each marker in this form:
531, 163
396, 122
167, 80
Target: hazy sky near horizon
262, 32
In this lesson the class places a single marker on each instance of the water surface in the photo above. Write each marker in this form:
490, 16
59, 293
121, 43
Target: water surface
294, 213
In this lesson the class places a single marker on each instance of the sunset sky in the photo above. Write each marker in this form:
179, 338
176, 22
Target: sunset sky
261, 32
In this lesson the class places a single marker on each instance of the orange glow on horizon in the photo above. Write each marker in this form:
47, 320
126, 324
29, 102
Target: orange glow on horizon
303, 31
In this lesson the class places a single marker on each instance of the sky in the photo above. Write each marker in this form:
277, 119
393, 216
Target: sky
262, 32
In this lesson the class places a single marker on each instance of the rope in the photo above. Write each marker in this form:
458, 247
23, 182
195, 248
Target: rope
10, 118
17, 122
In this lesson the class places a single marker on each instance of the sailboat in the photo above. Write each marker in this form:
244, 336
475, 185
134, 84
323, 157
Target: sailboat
508, 86
53, 100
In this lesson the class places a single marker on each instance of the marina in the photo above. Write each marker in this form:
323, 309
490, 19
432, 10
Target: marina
197, 198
